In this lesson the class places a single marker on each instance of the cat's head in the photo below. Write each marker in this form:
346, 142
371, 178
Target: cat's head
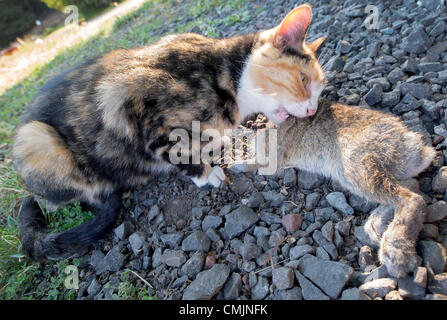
283, 73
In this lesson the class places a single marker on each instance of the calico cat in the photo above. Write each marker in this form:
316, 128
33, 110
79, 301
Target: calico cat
371, 154
103, 127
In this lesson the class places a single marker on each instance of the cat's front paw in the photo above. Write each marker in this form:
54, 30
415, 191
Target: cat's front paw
214, 178
398, 255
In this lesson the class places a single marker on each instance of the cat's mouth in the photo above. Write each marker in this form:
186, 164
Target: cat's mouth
282, 113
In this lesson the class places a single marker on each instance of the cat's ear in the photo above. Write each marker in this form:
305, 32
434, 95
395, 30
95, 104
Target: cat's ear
292, 30
314, 45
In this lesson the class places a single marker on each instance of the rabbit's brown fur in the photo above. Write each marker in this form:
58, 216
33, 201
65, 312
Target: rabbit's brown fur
370, 153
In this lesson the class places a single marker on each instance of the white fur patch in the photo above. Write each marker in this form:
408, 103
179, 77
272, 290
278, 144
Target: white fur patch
214, 178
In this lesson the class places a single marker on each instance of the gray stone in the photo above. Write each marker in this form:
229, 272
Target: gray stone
338, 201
353, 294
255, 200
327, 245
430, 67
377, 273
308, 289
379, 287
211, 222
240, 183
323, 214
417, 90
239, 220
433, 255
274, 197
207, 283
261, 289
179, 282
322, 254
336, 64
366, 257
312, 200
114, 260
270, 218
328, 231
381, 81
439, 28
298, 251
156, 257
431, 4
136, 241
250, 251
416, 42
153, 212
97, 260
173, 258
194, 264
410, 66
374, 95
289, 177
123, 230
196, 241
290, 294
172, 240
93, 288
408, 289
343, 46
439, 184
439, 284
395, 75
390, 99
343, 227
283, 278
232, 288
329, 276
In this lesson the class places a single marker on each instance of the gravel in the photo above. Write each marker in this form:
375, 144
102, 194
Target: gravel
378, 288
207, 283
296, 235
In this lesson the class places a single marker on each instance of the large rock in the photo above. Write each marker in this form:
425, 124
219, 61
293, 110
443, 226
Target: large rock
439, 284
174, 258
239, 220
114, 259
298, 251
436, 211
196, 241
433, 255
308, 289
329, 276
207, 283
283, 278
417, 90
261, 289
416, 42
379, 287
194, 265
232, 287
439, 184
338, 201
353, 294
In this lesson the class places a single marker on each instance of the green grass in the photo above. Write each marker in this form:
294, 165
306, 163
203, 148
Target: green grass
19, 278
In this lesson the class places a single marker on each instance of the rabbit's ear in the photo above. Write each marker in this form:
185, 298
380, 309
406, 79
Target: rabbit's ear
290, 34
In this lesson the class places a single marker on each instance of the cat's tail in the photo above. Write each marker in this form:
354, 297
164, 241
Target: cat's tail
40, 245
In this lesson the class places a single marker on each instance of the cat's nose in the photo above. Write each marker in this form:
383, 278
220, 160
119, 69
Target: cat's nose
310, 112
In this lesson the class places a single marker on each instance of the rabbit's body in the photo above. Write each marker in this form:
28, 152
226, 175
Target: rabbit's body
369, 153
